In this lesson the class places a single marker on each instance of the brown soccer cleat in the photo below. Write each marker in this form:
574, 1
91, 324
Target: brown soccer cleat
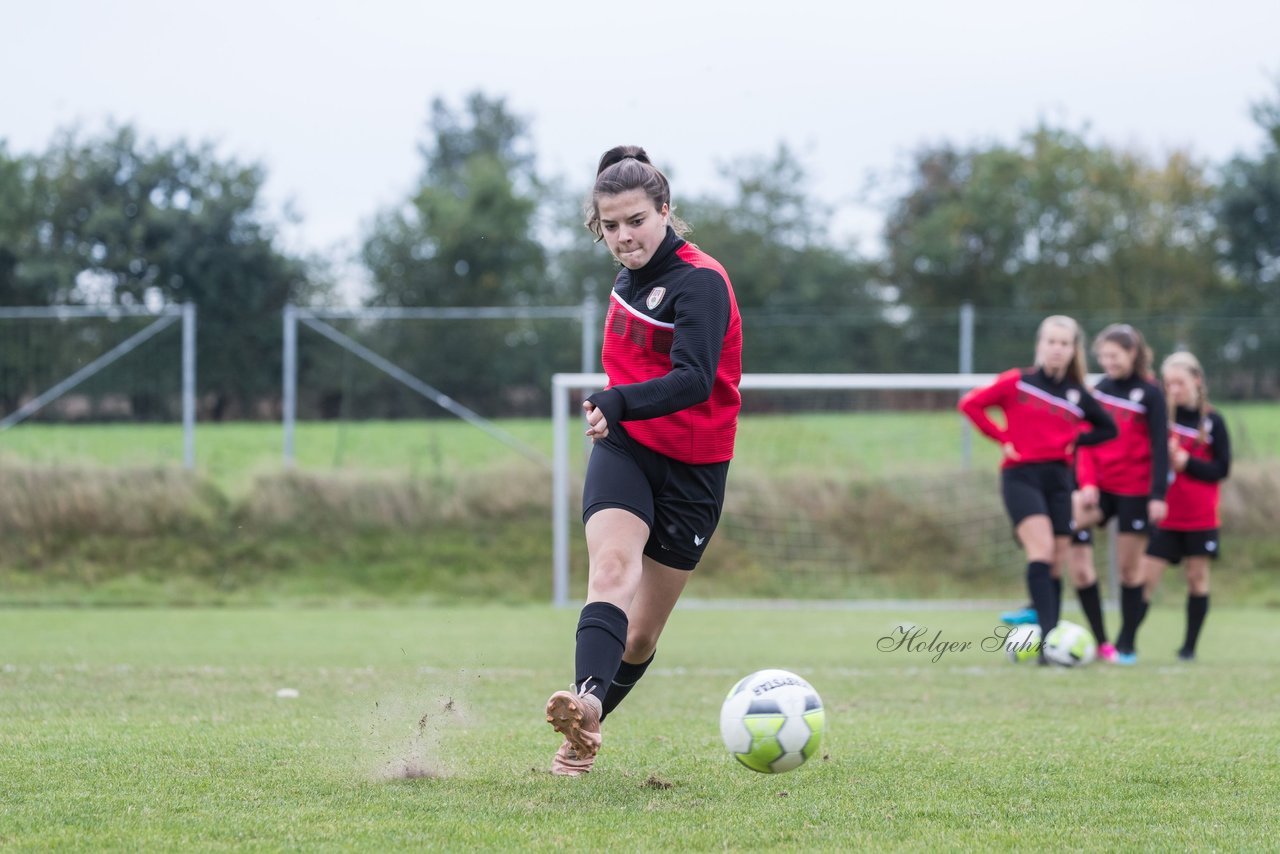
576, 716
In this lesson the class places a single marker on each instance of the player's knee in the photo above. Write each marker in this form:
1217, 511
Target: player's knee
1083, 575
640, 644
612, 570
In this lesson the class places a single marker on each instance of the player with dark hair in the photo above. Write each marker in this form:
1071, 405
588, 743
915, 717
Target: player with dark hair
663, 432
1200, 456
1045, 408
1126, 479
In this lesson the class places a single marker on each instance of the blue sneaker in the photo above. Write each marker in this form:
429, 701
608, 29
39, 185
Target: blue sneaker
1020, 616
1126, 658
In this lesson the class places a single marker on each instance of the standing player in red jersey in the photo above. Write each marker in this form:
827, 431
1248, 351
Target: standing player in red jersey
1200, 456
1126, 479
1045, 408
662, 431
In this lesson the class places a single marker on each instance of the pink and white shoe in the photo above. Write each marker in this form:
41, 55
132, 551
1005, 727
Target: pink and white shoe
1107, 653
576, 716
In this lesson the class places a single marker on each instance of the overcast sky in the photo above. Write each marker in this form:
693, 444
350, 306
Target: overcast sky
333, 97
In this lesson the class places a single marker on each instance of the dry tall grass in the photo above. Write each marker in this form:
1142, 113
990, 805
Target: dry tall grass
782, 535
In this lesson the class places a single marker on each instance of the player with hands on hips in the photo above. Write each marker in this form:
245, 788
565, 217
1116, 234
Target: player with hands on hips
1046, 409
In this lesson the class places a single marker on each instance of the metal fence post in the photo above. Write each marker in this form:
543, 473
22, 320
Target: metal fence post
589, 333
966, 367
189, 385
290, 380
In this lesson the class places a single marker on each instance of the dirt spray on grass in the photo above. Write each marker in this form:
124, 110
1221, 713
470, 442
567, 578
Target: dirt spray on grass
404, 734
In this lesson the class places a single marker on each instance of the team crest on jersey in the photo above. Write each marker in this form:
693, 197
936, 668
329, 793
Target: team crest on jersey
1073, 395
1135, 395
655, 297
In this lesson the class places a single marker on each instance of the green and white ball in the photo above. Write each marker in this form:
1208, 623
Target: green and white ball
1070, 645
1023, 644
772, 721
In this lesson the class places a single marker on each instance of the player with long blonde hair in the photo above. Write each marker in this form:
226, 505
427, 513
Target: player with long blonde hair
1045, 409
1200, 457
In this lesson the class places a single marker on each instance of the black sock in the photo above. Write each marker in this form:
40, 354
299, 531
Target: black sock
1130, 606
1197, 608
623, 681
1040, 586
602, 635
1091, 604
1057, 599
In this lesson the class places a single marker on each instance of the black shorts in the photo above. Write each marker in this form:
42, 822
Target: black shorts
1130, 512
680, 502
1173, 546
1038, 488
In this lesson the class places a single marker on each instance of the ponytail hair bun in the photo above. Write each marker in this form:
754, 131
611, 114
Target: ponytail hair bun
622, 152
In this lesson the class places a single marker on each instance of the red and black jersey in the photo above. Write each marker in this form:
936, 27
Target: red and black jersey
1043, 417
673, 354
1137, 462
1193, 494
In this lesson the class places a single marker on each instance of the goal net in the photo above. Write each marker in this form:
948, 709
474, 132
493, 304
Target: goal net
63, 365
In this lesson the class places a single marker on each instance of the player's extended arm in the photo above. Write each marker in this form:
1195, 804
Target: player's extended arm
975, 403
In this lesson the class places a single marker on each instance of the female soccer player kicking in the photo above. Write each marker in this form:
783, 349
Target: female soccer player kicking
1044, 410
662, 431
1126, 479
1200, 456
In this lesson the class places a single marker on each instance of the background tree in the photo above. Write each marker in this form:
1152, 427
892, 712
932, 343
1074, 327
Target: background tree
467, 235
807, 304
1052, 225
1248, 212
17, 229
118, 220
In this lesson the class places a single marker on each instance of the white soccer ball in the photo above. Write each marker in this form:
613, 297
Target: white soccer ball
1070, 645
772, 721
1023, 644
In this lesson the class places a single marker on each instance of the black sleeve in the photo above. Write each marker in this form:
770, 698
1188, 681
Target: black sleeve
702, 318
1158, 429
1104, 428
1219, 466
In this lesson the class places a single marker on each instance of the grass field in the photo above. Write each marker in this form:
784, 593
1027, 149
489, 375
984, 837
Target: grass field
233, 454
421, 729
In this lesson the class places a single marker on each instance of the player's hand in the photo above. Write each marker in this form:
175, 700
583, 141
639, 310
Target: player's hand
1089, 496
1010, 452
1156, 511
597, 426
1178, 457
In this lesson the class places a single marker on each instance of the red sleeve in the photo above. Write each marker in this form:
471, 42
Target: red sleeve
1086, 467
976, 403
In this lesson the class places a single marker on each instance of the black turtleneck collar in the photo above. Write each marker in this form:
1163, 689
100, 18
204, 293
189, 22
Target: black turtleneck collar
1048, 380
1129, 381
661, 260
